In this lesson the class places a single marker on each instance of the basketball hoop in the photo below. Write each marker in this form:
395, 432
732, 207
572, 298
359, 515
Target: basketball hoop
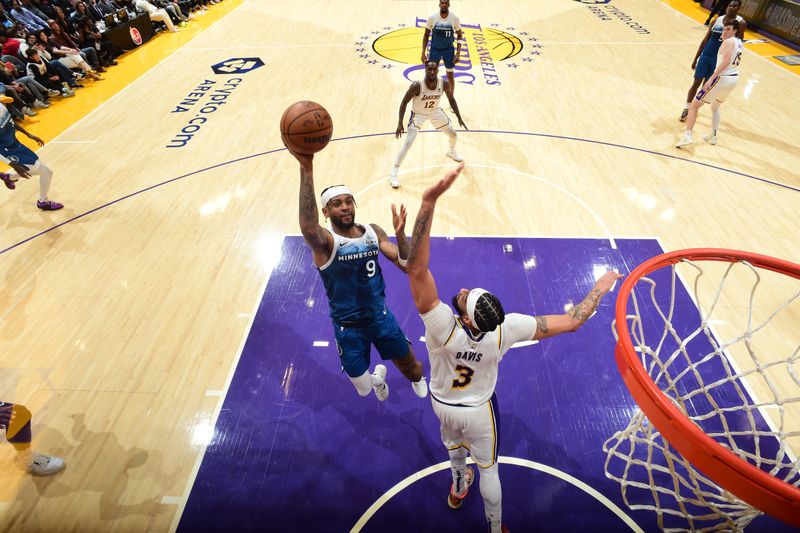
717, 438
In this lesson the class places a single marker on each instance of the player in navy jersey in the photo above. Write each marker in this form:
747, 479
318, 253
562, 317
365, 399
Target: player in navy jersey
23, 160
15, 420
705, 59
444, 26
346, 255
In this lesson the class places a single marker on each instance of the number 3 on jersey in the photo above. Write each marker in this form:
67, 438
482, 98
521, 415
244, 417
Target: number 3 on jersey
464, 377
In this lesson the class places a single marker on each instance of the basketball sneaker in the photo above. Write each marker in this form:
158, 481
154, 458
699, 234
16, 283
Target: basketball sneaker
382, 390
684, 114
6, 178
452, 154
394, 181
686, 140
48, 205
710, 139
43, 465
420, 387
455, 501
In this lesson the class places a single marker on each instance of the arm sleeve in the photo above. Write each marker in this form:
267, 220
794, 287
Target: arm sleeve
440, 323
457, 24
517, 328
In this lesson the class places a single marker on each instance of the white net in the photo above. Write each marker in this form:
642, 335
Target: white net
722, 341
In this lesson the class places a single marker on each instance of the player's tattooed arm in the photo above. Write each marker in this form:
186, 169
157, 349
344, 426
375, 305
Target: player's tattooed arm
314, 234
421, 230
541, 325
584, 310
390, 250
552, 325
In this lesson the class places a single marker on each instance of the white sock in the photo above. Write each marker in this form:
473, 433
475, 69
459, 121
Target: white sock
363, 383
492, 494
715, 116
458, 464
45, 178
410, 138
452, 137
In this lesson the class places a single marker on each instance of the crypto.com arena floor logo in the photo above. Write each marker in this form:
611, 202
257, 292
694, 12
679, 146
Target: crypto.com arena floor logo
489, 51
237, 65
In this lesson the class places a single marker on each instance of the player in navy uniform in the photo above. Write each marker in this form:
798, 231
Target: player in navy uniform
22, 159
15, 420
445, 26
705, 59
346, 255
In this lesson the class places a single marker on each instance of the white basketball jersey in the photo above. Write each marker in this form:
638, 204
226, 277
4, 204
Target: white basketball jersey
736, 57
464, 367
427, 101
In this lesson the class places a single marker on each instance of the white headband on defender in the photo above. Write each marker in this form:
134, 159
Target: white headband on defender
472, 299
332, 192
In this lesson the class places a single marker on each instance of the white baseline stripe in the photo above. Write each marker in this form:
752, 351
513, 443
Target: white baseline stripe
505, 460
193, 476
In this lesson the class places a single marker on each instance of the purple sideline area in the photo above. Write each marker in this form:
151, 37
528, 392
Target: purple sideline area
296, 449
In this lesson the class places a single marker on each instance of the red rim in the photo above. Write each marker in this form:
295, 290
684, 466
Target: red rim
746, 481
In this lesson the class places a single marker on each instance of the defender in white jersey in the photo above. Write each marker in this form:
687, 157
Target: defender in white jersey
719, 85
465, 349
425, 96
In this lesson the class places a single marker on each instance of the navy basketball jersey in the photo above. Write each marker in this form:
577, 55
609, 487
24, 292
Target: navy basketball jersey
443, 30
10, 148
353, 279
715, 40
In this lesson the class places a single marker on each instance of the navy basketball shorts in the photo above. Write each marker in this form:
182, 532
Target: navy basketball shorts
354, 343
705, 67
447, 55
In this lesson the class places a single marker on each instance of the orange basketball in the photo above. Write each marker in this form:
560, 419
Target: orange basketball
306, 127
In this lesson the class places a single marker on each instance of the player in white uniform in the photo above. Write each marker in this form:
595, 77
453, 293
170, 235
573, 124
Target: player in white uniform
718, 86
465, 350
426, 95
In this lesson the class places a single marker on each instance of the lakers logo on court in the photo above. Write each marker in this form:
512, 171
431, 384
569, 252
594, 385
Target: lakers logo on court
489, 53
237, 65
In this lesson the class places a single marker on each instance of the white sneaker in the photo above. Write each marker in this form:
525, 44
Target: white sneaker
686, 140
44, 465
394, 181
382, 390
452, 154
420, 387
710, 139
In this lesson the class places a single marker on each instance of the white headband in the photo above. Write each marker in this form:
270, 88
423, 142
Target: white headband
332, 192
472, 299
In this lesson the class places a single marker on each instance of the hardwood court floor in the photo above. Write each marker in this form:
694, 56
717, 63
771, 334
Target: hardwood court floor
123, 314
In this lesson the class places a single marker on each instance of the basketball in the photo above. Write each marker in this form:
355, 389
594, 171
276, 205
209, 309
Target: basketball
306, 127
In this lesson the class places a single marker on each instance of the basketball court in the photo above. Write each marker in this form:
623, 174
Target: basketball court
172, 338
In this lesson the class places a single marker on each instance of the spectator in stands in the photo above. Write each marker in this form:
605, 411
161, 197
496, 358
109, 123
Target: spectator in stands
26, 18
6, 22
68, 52
45, 7
91, 37
41, 42
43, 72
155, 14
10, 75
